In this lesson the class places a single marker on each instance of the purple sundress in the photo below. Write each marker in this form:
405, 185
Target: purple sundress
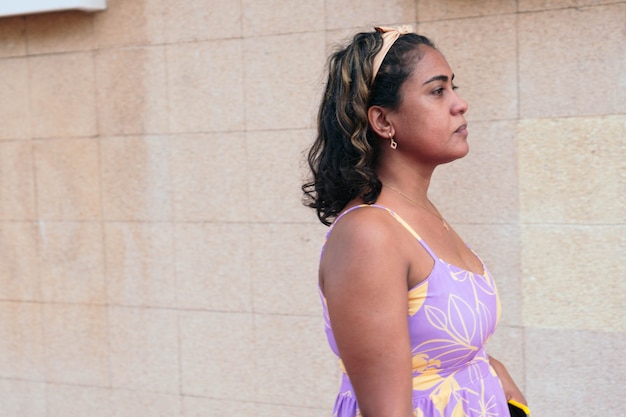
452, 315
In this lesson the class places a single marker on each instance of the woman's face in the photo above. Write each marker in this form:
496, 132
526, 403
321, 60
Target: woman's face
429, 123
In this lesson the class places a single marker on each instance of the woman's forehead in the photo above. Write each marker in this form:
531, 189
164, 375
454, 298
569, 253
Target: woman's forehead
431, 64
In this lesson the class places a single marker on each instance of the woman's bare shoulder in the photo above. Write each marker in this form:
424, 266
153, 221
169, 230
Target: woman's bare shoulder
362, 248
365, 225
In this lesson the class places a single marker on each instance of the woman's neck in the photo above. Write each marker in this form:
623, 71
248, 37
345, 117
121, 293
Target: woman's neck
412, 181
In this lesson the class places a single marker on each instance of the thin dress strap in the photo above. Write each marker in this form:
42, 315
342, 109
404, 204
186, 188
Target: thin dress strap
395, 216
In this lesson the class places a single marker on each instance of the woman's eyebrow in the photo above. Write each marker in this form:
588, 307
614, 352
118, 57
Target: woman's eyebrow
443, 78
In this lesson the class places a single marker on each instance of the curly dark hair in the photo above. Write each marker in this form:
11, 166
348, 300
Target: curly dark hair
343, 157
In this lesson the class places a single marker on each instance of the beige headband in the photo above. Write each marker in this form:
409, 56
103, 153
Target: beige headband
390, 35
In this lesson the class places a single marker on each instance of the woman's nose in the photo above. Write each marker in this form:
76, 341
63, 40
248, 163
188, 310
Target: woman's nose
460, 106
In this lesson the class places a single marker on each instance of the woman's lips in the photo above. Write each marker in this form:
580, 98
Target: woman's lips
462, 129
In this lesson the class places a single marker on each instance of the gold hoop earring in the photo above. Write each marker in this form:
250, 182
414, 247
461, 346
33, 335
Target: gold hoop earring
392, 144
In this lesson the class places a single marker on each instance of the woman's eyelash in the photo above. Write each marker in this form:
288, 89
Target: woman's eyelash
440, 90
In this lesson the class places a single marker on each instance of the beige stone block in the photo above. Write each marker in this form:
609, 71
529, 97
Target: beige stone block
62, 95
218, 355
67, 179
143, 22
48, 33
277, 168
275, 410
22, 398
482, 187
268, 17
428, 10
282, 342
21, 341
483, 58
72, 265
209, 177
17, 186
209, 407
562, 76
351, 13
19, 261
132, 91
136, 178
202, 20
507, 346
581, 371
144, 349
140, 264
285, 260
213, 267
499, 247
571, 170
341, 37
76, 344
281, 80
78, 401
14, 102
137, 403
575, 270
206, 86
534, 5
12, 36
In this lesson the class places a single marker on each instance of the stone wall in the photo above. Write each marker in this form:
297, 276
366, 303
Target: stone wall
155, 259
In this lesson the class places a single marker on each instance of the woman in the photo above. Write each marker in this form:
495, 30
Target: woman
408, 306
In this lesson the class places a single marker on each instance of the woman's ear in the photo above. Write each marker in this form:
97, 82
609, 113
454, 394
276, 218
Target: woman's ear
377, 117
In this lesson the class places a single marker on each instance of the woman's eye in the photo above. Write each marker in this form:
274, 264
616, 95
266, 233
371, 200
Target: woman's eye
455, 87
438, 91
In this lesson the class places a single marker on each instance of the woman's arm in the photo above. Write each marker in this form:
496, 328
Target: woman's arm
511, 390
364, 281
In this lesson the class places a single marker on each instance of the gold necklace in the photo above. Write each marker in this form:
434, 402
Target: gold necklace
443, 222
